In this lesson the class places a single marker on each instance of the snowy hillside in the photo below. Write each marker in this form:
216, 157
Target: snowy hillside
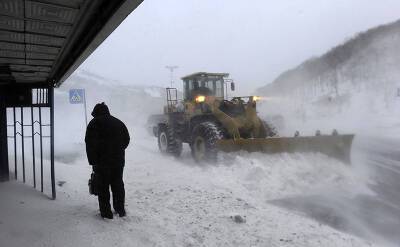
358, 81
354, 88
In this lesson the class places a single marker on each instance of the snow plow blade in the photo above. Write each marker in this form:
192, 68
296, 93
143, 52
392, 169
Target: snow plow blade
336, 146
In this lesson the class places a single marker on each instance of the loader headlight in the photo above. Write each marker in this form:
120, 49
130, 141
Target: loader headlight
200, 98
256, 98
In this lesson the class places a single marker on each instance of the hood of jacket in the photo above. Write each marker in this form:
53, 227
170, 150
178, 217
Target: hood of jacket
100, 110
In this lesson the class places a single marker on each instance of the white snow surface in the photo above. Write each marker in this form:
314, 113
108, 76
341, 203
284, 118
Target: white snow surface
176, 202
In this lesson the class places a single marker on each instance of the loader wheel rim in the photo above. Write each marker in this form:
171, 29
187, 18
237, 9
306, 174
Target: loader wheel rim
163, 142
200, 148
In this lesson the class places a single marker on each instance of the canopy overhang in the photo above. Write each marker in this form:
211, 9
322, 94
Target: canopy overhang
44, 41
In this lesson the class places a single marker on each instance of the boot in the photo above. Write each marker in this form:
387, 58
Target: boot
107, 215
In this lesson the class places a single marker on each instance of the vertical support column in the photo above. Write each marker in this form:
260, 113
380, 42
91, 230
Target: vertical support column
41, 148
23, 144
15, 145
53, 182
4, 169
33, 148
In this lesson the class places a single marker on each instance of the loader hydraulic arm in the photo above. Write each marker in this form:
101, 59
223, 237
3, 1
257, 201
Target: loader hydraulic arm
227, 121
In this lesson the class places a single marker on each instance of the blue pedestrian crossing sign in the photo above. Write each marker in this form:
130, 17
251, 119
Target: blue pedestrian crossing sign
76, 96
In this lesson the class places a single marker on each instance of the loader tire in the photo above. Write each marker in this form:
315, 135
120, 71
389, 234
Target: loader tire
203, 141
267, 130
168, 143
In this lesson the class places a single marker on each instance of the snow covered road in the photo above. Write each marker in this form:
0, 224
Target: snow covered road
176, 202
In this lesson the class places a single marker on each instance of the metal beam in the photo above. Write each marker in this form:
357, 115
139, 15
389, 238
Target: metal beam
38, 59
33, 33
37, 20
28, 52
54, 4
26, 71
28, 43
22, 45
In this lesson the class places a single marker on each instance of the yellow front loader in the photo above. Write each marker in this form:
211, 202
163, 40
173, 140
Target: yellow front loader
210, 122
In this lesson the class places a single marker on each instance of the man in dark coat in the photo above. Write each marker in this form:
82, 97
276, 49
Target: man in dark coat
106, 140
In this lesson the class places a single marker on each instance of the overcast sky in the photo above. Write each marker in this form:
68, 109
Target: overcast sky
253, 40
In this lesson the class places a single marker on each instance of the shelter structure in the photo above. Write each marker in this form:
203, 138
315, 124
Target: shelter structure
42, 42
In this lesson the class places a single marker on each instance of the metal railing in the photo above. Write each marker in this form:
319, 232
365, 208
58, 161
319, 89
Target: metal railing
41, 100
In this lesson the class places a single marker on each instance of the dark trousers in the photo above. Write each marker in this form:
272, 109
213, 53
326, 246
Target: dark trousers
111, 177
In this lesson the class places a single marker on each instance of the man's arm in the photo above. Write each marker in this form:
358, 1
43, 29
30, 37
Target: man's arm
92, 141
126, 136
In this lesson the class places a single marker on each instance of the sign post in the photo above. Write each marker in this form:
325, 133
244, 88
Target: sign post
78, 96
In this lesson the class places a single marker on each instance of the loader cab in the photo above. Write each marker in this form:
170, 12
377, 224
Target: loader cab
202, 83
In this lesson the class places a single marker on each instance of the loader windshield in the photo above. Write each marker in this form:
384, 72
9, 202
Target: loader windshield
212, 86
